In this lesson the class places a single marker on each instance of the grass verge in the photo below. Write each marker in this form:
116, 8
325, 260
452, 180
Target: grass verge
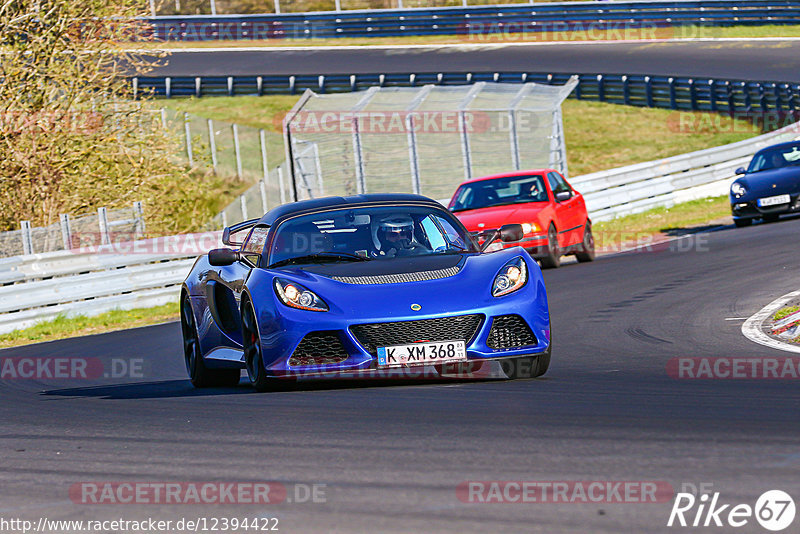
81, 325
783, 312
494, 37
643, 228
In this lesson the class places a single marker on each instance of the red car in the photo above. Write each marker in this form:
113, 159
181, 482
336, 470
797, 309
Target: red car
552, 214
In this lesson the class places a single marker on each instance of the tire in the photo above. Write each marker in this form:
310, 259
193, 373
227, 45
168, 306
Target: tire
254, 356
553, 258
587, 247
741, 223
200, 375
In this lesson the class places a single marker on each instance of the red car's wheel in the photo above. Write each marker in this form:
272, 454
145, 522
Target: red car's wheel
553, 258
587, 247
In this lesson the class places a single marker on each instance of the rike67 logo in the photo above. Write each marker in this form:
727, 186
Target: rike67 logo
774, 510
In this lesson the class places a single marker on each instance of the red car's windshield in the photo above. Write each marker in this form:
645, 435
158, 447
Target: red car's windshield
499, 192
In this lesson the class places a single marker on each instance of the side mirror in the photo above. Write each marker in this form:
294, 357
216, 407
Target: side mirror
511, 232
220, 257
741, 170
226, 238
563, 195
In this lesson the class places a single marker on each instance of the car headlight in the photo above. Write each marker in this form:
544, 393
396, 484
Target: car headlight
738, 189
294, 295
527, 228
511, 277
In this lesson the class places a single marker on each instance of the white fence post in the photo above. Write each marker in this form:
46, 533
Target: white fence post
66, 231
262, 188
102, 219
243, 204
138, 211
277, 6
212, 143
318, 164
262, 135
237, 151
213, 7
187, 131
358, 158
280, 185
27, 242
462, 117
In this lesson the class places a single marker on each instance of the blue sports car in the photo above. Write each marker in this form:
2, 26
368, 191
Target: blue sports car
770, 186
359, 285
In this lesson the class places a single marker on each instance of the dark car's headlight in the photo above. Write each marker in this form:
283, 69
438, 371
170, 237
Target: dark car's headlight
738, 189
294, 295
511, 277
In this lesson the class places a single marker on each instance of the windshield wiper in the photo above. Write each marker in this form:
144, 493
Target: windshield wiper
322, 257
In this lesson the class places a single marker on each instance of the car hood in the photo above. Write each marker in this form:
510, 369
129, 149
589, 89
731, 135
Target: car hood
772, 182
496, 216
381, 267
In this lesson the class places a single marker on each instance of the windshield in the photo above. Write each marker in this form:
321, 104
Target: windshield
775, 158
499, 192
371, 233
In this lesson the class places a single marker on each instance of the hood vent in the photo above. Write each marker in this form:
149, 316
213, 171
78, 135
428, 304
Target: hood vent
401, 278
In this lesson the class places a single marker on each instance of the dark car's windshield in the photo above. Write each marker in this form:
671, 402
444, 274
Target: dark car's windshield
775, 158
370, 233
499, 192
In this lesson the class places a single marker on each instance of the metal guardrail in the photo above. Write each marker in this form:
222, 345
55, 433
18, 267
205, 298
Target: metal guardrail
665, 182
124, 275
678, 93
475, 21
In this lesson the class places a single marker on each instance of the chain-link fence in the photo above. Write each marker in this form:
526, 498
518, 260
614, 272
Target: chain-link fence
72, 233
423, 140
246, 7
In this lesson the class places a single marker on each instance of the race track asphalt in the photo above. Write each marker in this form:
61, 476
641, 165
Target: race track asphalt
741, 60
391, 454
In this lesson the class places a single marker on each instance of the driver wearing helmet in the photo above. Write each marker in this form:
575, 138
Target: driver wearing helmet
395, 237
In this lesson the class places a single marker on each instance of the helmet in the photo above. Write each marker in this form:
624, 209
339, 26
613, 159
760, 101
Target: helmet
395, 228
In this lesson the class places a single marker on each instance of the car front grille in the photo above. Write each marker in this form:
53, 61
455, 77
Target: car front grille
319, 348
372, 336
400, 278
510, 331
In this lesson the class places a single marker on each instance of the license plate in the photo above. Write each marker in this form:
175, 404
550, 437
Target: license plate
774, 201
422, 353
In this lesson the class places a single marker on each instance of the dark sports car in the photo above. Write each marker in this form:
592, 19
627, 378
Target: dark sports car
770, 186
361, 284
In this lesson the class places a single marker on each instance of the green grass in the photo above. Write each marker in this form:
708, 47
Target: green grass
641, 228
783, 312
80, 325
675, 32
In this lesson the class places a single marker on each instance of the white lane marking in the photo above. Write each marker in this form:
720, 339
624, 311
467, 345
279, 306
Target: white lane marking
466, 46
736, 318
752, 327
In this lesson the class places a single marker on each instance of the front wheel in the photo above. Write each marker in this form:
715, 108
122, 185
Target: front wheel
587, 247
553, 258
253, 356
200, 375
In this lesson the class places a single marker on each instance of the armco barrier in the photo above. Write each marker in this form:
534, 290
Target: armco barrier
664, 182
142, 274
476, 21
695, 94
